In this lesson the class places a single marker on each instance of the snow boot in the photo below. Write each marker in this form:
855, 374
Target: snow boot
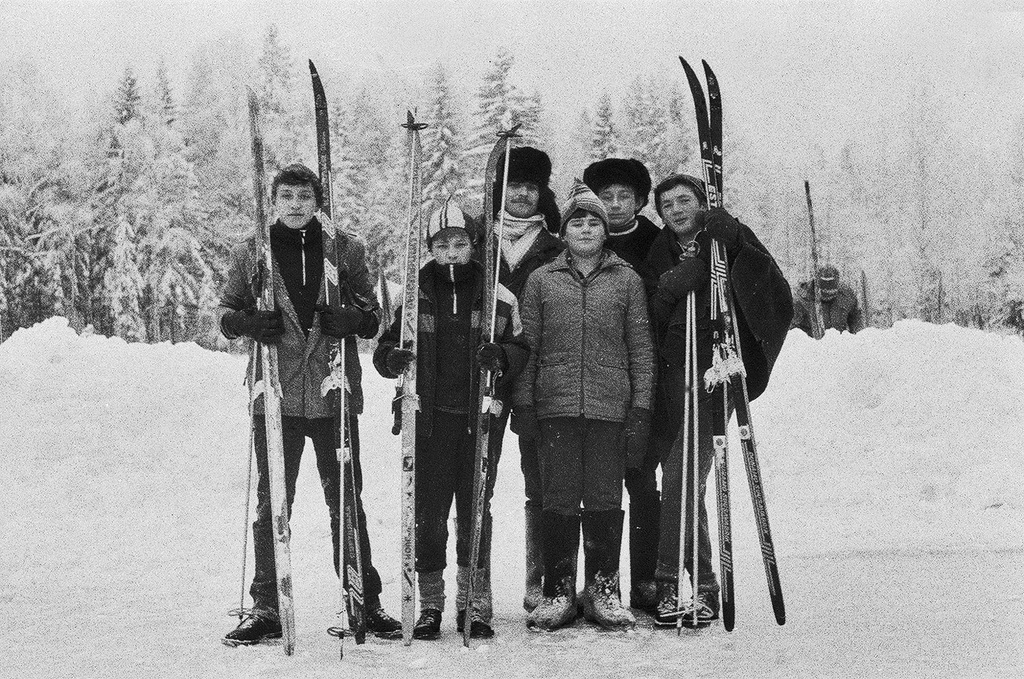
534, 559
258, 626
644, 526
429, 624
483, 606
561, 544
670, 608
602, 540
380, 624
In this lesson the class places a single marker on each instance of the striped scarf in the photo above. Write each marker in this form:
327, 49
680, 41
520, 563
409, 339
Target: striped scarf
518, 236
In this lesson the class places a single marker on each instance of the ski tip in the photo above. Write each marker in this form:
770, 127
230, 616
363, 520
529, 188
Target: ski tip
683, 62
312, 69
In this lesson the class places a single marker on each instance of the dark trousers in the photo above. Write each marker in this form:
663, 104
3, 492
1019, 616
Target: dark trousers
295, 431
581, 463
668, 440
644, 517
530, 464
444, 470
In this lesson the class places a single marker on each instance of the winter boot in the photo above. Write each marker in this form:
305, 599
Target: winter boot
667, 611
602, 539
534, 559
483, 607
431, 589
706, 605
429, 624
380, 624
561, 544
644, 523
258, 626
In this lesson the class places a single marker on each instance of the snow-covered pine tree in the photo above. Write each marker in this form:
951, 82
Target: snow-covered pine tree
442, 169
498, 106
165, 108
604, 141
127, 99
285, 131
123, 283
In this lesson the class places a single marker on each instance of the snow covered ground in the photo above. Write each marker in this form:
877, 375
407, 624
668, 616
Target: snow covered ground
892, 460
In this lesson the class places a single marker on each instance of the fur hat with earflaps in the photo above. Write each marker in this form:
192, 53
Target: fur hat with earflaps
529, 165
626, 171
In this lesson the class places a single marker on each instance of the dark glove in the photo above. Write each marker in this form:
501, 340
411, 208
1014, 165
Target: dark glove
339, 323
524, 422
398, 360
636, 432
691, 274
492, 357
262, 326
724, 228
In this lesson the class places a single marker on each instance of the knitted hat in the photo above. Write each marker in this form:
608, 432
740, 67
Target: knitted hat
625, 171
675, 180
582, 198
449, 216
828, 279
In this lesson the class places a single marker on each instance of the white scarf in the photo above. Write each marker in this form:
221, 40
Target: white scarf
518, 236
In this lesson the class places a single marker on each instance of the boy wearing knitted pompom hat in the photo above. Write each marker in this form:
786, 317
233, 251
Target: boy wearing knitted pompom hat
585, 396
450, 350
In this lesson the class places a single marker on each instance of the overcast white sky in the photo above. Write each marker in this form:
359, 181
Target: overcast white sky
796, 70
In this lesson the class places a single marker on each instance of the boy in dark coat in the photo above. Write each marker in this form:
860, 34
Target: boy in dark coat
300, 326
623, 185
452, 348
529, 241
677, 264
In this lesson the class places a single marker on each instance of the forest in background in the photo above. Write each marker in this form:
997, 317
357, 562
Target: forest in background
121, 216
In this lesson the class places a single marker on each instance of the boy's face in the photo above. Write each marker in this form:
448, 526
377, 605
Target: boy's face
620, 202
295, 204
452, 246
585, 235
679, 208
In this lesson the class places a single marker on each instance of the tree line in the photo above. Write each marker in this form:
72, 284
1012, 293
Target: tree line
121, 218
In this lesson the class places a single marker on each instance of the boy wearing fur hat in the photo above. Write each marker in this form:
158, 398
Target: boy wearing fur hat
452, 348
585, 395
299, 326
623, 185
677, 264
529, 241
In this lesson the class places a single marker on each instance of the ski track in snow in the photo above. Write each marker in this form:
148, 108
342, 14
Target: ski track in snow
894, 478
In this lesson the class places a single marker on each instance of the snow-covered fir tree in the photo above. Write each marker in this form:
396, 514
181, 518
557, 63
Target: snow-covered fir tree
604, 141
442, 169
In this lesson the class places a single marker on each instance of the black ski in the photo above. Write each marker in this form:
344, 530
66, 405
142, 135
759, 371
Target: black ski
727, 364
817, 320
353, 611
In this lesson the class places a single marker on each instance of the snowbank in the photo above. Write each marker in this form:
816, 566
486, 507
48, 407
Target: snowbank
125, 471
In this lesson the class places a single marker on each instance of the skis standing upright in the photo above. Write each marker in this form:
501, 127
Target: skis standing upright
353, 612
865, 304
271, 388
490, 407
407, 396
817, 320
727, 364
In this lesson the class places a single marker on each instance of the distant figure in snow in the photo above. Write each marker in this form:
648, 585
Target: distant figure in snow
300, 326
840, 308
451, 347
